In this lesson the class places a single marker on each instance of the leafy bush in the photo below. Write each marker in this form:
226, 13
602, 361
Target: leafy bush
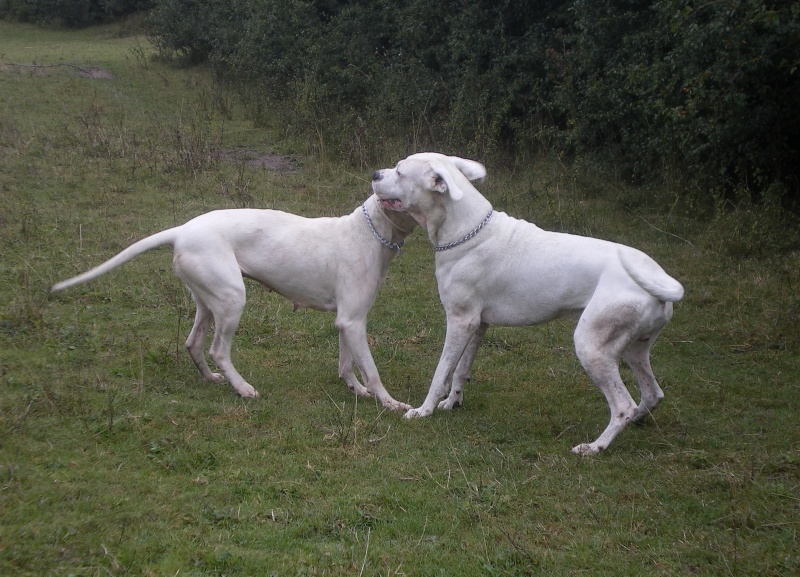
711, 87
73, 13
702, 93
463, 74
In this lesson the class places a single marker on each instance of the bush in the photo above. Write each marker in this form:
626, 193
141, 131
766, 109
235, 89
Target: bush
71, 13
467, 73
705, 92
711, 87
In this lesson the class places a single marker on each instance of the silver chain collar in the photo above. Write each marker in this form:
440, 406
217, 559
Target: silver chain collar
468, 236
392, 245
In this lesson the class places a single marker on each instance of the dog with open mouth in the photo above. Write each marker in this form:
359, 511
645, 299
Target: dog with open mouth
493, 269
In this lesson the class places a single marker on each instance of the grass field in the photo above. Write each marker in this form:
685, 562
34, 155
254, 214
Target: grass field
116, 459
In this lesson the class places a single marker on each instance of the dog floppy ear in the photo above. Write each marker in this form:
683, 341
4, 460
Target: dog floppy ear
452, 175
474, 171
441, 180
436, 182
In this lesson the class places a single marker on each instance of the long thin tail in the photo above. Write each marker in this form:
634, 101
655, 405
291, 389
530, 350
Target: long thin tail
159, 239
650, 276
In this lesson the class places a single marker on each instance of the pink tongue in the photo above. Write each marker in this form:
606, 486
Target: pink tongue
391, 203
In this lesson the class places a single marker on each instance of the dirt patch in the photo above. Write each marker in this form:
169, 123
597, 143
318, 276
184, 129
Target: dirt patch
259, 159
43, 69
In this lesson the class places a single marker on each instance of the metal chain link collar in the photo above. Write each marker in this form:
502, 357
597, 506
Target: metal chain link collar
384, 242
468, 236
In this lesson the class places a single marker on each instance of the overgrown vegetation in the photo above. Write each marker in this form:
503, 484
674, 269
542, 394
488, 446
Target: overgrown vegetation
695, 96
71, 13
115, 459
699, 94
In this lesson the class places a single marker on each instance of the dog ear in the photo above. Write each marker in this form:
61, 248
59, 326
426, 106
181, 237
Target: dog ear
444, 182
455, 191
439, 183
474, 171
450, 179
436, 180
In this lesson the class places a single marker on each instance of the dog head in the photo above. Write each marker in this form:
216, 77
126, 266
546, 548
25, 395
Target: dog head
423, 181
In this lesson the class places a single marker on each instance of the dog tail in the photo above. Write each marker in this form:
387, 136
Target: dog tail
159, 239
650, 276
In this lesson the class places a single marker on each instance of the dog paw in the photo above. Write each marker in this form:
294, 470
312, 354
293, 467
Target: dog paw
449, 404
216, 378
248, 392
416, 413
359, 390
586, 450
393, 405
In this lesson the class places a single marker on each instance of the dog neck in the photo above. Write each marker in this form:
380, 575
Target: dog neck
401, 224
458, 221
466, 237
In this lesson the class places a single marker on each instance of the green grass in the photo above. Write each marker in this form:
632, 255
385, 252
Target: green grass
116, 459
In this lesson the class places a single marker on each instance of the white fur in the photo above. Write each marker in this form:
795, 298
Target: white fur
327, 264
513, 273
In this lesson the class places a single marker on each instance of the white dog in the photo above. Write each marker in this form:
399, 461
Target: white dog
493, 269
328, 264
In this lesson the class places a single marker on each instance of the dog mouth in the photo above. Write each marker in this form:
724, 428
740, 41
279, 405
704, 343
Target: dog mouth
392, 204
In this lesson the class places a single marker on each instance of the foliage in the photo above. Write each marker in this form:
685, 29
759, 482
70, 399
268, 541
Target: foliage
434, 73
72, 13
700, 93
709, 87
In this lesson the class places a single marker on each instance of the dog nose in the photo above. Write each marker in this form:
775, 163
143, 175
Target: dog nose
376, 175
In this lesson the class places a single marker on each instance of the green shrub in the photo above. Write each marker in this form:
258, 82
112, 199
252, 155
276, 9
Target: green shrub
72, 13
702, 94
709, 86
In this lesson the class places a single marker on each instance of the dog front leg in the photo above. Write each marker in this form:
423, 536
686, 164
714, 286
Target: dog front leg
459, 334
461, 376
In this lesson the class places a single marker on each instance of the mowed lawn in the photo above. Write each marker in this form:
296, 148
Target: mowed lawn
117, 459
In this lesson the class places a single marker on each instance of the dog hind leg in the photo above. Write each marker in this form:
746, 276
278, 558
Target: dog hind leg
216, 284
195, 342
227, 310
637, 356
598, 353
